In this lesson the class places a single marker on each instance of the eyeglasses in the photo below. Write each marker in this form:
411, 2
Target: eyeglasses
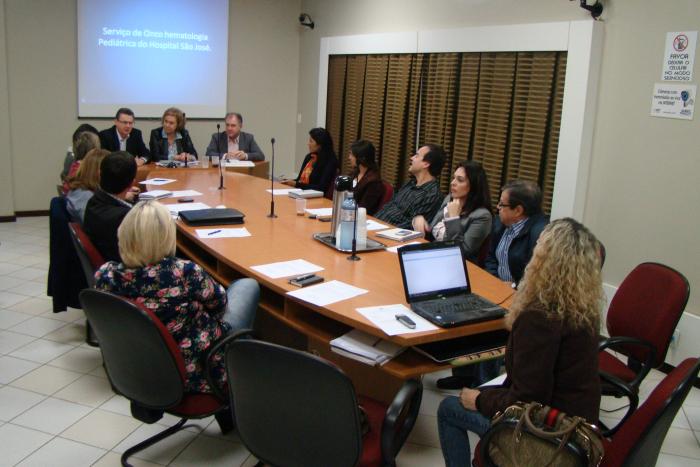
502, 205
126, 122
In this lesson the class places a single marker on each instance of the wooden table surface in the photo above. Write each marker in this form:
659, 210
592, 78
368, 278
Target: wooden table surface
289, 237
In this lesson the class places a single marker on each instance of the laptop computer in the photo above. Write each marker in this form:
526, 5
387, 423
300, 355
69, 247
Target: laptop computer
437, 287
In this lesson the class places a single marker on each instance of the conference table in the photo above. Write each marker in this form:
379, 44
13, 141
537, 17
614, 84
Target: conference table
290, 321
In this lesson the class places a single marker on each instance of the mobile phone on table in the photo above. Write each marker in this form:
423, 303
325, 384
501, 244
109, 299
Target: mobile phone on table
306, 279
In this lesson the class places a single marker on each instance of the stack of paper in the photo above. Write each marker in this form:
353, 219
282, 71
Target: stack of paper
364, 348
154, 194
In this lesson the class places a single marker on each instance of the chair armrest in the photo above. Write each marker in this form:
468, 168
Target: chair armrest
208, 357
646, 366
400, 418
627, 391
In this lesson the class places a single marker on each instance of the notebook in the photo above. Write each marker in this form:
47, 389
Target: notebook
212, 216
436, 284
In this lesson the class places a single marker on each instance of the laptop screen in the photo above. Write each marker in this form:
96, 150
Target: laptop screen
430, 270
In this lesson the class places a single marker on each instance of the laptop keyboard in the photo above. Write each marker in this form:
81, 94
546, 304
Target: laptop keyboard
463, 310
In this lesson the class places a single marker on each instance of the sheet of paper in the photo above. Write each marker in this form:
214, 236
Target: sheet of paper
223, 233
295, 267
327, 293
497, 381
384, 317
185, 193
237, 163
154, 194
158, 181
374, 225
179, 207
395, 248
319, 212
281, 191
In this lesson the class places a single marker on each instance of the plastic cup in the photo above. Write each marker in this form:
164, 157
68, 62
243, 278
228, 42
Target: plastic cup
301, 206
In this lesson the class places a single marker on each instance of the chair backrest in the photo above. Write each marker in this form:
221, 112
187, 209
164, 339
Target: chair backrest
292, 408
142, 360
483, 251
648, 305
639, 440
388, 194
90, 258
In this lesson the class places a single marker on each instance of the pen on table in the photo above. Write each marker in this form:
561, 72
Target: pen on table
304, 276
214, 232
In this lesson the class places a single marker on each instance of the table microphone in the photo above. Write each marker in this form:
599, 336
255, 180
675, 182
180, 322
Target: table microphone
186, 155
272, 185
218, 130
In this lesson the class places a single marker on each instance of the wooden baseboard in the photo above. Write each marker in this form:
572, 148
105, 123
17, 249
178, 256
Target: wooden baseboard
23, 214
31, 213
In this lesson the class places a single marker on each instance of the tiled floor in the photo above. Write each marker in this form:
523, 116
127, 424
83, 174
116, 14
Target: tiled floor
56, 406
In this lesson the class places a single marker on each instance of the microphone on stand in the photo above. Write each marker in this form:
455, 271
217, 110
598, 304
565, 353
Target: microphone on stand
221, 174
353, 256
186, 155
218, 150
218, 130
272, 185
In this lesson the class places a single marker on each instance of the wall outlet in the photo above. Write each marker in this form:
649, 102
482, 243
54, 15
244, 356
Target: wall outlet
675, 339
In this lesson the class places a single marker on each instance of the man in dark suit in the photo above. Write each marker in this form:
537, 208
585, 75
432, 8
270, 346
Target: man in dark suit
110, 203
122, 136
234, 143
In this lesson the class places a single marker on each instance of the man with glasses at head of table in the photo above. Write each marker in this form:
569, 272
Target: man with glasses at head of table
122, 136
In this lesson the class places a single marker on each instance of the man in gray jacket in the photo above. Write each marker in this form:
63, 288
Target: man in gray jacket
234, 143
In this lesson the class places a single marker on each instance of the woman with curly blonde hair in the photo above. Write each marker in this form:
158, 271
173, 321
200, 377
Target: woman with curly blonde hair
552, 351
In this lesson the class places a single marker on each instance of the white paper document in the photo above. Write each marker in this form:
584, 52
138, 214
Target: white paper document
185, 193
395, 248
154, 194
384, 317
179, 207
327, 293
237, 163
497, 381
319, 212
157, 181
294, 267
281, 191
374, 225
223, 233
365, 348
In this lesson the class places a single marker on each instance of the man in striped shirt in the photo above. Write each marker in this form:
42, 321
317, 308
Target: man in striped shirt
516, 230
420, 195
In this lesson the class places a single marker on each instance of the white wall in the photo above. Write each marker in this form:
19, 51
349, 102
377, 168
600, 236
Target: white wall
6, 184
39, 75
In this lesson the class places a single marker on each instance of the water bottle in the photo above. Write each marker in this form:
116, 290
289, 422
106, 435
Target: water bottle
347, 222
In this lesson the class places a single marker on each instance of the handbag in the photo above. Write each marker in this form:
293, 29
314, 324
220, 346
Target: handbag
531, 434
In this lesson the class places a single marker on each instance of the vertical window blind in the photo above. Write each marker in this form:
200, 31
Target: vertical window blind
502, 109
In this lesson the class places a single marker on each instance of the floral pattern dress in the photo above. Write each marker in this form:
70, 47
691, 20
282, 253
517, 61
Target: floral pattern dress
188, 302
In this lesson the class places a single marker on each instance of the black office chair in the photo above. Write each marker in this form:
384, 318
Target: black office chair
144, 364
295, 409
90, 261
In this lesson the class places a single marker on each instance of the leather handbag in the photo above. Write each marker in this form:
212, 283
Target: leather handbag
531, 434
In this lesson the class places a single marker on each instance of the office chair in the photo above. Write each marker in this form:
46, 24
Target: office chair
641, 319
65, 280
638, 441
90, 261
295, 409
144, 364
388, 194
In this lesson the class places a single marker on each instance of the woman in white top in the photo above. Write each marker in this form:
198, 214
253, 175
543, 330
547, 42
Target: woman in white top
465, 213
